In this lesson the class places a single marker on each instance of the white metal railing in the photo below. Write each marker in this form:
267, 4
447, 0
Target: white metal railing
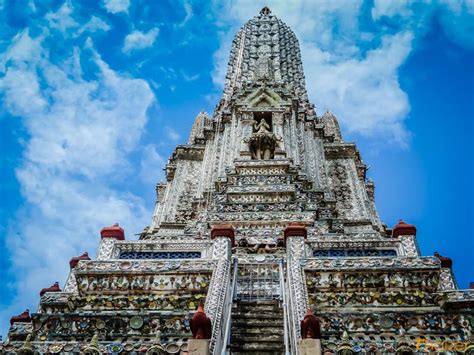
258, 282
227, 313
283, 298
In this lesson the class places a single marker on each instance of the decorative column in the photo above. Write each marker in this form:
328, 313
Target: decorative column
223, 236
109, 235
446, 277
278, 119
247, 129
407, 235
71, 284
295, 235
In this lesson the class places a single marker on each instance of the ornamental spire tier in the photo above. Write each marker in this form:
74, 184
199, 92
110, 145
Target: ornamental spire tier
264, 239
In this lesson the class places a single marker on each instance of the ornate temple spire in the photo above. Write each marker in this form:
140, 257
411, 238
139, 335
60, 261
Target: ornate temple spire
331, 126
265, 48
197, 130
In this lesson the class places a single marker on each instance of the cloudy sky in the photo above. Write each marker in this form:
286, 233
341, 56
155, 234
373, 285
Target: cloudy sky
95, 96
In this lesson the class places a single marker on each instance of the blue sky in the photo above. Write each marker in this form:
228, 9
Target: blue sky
95, 95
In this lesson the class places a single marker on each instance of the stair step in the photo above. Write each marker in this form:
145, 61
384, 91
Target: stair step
257, 328
257, 303
263, 307
258, 347
262, 338
263, 334
248, 315
255, 322
257, 331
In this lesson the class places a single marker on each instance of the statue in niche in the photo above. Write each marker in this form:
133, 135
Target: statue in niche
262, 143
261, 127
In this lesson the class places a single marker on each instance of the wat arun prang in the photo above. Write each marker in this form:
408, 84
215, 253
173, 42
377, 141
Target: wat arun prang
266, 219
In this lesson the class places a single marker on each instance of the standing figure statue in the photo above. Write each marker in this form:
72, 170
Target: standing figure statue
262, 142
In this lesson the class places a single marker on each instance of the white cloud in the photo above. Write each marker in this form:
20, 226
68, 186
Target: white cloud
62, 19
364, 93
172, 134
456, 17
383, 8
95, 24
189, 77
116, 6
139, 40
151, 165
188, 11
81, 132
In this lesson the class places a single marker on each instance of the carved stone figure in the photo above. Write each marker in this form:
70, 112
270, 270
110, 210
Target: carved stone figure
261, 127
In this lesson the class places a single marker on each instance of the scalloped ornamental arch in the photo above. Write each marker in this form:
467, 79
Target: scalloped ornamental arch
264, 97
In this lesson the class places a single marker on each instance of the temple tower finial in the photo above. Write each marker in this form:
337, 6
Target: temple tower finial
265, 11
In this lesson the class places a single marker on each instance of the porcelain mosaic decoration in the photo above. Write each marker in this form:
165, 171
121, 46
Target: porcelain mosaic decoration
265, 213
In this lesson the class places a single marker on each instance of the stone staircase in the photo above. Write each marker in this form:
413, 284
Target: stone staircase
257, 328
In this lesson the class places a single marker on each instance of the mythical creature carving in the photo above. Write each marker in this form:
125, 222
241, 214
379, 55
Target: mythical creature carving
263, 142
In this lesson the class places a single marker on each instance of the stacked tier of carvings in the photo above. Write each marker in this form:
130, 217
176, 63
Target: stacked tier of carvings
128, 300
126, 303
166, 299
252, 196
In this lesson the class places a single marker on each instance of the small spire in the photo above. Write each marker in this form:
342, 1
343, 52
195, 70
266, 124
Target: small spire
345, 335
27, 347
265, 11
328, 114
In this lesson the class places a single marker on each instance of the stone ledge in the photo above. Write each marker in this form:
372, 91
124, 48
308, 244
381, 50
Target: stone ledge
370, 263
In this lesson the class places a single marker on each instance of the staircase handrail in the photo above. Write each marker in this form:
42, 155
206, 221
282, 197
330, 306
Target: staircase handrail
228, 309
291, 321
283, 298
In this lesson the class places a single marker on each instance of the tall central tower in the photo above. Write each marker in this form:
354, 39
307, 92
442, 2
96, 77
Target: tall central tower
265, 159
266, 217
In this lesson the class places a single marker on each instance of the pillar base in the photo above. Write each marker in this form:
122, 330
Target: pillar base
198, 347
309, 346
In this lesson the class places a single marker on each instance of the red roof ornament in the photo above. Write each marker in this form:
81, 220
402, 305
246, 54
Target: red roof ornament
201, 324
403, 228
21, 318
295, 230
75, 260
54, 288
446, 262
310, 327
224, 230
114, 231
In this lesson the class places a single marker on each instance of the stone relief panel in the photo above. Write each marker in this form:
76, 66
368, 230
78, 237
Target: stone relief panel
369, 263
106, 248
373, 289
409, 246
341, 188
447, 281
409, 322
131, 284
